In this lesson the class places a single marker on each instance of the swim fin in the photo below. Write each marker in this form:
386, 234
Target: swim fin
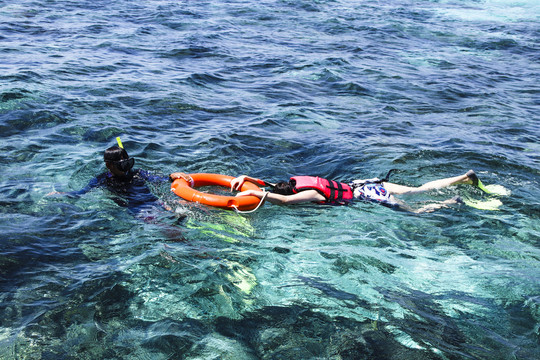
489, 189
495, 189
492, 204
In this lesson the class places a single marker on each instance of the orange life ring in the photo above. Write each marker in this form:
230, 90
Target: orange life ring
183, 189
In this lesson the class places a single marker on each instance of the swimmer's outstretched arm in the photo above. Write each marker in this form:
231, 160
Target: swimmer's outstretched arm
95, 182
278, 199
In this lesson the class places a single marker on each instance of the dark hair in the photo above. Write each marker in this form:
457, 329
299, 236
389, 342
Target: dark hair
283, 188
115, 153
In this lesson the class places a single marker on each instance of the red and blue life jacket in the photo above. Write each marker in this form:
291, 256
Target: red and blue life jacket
336, 193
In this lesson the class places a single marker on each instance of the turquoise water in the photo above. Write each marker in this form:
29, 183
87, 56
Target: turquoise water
340, 89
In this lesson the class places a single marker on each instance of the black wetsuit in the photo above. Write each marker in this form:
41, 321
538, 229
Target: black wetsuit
130, 191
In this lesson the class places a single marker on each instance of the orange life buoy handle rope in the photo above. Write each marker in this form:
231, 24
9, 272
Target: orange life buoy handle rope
243, 203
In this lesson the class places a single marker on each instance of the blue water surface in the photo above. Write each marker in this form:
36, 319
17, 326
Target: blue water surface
340, 89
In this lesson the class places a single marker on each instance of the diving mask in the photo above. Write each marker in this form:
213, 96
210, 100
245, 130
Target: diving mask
124, 165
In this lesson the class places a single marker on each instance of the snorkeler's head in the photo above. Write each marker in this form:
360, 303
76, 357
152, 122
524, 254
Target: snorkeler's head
283, 188
119, 158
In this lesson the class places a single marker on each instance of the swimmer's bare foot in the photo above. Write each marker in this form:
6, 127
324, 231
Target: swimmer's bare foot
454, 200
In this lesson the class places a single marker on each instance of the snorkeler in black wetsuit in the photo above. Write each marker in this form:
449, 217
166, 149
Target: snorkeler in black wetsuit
127, 184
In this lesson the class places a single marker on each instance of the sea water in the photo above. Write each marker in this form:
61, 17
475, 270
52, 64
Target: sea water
339, 89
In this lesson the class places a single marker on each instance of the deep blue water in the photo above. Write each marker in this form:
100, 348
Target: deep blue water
340, 89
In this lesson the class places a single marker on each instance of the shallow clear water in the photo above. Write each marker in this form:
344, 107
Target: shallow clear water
340, 89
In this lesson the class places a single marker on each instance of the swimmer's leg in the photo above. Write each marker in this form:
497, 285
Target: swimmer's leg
397, 189
439, 205
401, 205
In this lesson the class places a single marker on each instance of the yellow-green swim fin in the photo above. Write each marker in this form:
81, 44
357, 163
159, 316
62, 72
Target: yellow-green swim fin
492, 204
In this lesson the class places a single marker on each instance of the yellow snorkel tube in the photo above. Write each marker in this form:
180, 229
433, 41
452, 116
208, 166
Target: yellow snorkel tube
119, 142
125, 164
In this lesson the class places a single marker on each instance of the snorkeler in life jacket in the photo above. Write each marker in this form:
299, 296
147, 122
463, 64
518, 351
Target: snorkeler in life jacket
303, 189
335, 193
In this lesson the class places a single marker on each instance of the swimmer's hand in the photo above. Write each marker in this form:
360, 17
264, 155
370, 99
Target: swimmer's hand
251, 193
53, 193
236, 183
181, 175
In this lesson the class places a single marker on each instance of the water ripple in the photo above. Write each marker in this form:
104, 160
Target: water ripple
273, 89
